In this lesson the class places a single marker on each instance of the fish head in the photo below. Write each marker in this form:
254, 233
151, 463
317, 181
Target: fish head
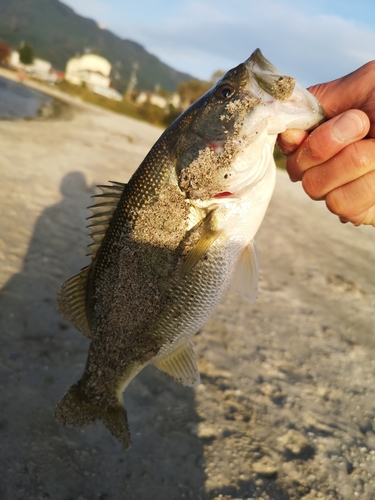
229, 134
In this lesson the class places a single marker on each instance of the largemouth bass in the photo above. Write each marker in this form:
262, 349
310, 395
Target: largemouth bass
167, 244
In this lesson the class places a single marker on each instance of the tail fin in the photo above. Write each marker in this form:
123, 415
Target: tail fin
74, 410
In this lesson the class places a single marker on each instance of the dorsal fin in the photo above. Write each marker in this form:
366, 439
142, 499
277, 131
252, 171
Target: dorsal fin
71, 301
102, 210
71, 298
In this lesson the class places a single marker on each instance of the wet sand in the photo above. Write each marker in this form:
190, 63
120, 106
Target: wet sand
286, 408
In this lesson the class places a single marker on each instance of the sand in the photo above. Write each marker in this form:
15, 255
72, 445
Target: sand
286, 408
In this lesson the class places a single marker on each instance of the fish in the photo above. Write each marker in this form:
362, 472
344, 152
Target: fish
167, 244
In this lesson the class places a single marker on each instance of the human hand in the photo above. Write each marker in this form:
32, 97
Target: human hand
335, 162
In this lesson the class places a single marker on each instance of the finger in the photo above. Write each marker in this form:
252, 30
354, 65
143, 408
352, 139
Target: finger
349, 164
289, 140
353, 91
355, 200
366, 218
327, 140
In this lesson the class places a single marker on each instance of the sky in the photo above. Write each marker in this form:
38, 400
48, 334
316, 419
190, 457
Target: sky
314, 41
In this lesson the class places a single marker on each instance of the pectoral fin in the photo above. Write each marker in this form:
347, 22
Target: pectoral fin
246, 274
208, 234
181, 365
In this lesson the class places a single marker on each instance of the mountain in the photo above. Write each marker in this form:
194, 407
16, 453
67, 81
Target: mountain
57, 33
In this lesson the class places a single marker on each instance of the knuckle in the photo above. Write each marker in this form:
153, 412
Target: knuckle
357, 156
369, 68
313, 151
362, 155
293, 171
369, 217
336, 204
351, 199
313, 183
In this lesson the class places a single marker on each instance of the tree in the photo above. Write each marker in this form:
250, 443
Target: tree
191, 91
217, 75
26, 53
4, 52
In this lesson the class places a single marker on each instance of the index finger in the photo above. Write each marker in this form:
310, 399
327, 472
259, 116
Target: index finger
289, 140
327, 140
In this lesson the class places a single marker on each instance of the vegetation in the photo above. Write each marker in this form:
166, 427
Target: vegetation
26, 53
217, 75
57, 33
4, 52
190, 91
147, 111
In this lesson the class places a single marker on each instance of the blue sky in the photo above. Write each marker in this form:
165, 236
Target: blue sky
315, 41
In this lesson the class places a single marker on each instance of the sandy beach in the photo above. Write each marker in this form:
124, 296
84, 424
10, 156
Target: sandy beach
286, 407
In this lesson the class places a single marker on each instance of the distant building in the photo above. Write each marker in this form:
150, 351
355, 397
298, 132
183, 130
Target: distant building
90, 69
14, 60
109, 93
159, 100
40, 69
175, 100
152, 98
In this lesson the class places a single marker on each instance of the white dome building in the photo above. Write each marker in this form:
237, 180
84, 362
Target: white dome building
91, 69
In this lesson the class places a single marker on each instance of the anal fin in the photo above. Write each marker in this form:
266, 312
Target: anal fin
181, 365
71, 301
246, 274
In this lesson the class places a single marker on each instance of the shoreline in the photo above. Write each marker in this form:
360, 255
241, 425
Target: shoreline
63, 106
32, 83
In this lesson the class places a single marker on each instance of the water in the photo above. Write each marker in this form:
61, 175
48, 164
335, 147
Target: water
19, 101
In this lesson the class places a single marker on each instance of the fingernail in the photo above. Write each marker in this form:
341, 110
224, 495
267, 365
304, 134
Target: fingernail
349, 126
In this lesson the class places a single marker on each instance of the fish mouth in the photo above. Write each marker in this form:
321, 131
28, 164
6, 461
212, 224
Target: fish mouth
283, 104
271, 103
300, 108
224, 194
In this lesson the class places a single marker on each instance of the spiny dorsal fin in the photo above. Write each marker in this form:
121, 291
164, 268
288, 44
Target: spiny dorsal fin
181, 365
71, 301
105, 205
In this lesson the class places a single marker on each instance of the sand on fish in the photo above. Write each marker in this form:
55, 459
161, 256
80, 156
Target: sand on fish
286, 407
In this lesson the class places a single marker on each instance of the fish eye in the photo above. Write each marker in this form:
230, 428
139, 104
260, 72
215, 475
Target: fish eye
224, 91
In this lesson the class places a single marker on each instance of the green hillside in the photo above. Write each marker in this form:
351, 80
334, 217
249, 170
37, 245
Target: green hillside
57, 33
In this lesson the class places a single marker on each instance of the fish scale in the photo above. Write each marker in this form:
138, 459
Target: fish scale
167, 245
204, 286
141, 190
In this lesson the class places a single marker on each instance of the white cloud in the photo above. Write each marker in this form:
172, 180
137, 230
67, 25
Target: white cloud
199, 37
311, 47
